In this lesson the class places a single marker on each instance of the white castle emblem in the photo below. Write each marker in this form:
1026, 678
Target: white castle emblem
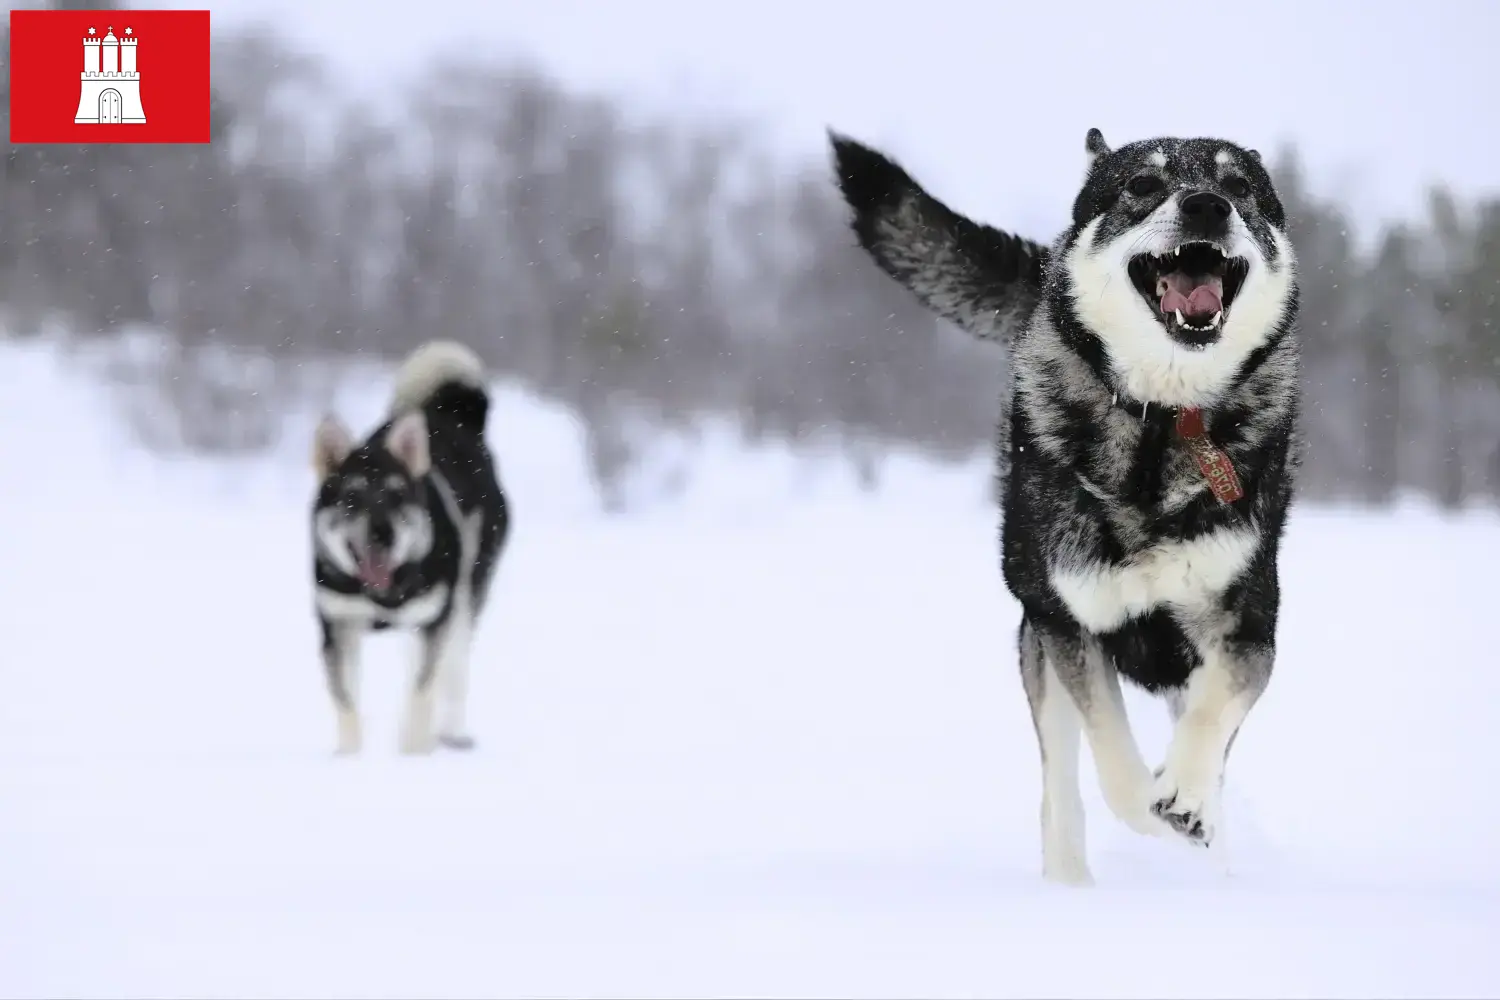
111, 92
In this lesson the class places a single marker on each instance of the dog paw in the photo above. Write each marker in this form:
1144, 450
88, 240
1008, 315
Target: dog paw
456, 741
1127, 792
1192, 814
417, 744
349, 741
1074, 874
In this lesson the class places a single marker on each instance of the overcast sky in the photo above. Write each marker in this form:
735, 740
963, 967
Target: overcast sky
989, 104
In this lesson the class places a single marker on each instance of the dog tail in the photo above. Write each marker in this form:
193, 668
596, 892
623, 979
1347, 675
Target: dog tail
446, 376
983, 280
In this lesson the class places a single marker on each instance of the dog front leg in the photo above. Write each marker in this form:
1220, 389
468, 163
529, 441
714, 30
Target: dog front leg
341, 669
1218, 696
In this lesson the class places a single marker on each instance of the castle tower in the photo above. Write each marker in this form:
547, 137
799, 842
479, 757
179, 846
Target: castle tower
91, 53
111, 85
127, 53
111, 49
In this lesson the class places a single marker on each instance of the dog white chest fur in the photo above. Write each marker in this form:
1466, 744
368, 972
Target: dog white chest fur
1188, 575
358, 610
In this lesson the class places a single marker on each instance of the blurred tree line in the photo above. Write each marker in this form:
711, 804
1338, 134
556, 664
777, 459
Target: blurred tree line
646, 276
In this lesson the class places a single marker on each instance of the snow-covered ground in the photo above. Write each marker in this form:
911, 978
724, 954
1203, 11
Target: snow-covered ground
763, 742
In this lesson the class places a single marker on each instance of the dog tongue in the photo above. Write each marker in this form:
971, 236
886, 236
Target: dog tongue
1193, 299
375, 571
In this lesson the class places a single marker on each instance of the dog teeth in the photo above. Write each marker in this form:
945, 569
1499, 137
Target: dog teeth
1212, 324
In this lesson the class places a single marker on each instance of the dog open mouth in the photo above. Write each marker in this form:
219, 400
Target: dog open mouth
375, 567
1191, 289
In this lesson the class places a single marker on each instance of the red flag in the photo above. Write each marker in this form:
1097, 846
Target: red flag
109, 76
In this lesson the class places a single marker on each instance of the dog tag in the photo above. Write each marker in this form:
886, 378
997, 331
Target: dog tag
1216, 467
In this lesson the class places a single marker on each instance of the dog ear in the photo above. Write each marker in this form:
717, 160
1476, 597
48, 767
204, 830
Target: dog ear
1254, 154
407, 440
332, 443
1095, 146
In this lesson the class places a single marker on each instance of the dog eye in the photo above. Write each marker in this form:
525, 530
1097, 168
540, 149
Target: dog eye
1144, 184
1237, 186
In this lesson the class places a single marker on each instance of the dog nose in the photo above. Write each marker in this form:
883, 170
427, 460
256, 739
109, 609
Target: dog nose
1206, 214
381, 532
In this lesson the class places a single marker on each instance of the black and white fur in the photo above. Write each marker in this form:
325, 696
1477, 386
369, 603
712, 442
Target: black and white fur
1124, 563
407, 529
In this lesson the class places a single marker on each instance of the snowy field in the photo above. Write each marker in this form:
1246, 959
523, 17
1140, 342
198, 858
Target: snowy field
768, 740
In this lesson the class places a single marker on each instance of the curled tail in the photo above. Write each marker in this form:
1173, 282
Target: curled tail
983, 280
445, 376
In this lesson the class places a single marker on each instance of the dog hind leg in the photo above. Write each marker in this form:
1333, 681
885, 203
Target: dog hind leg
453, 681
458, 642
1176, 705
417, 735
1058, 731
